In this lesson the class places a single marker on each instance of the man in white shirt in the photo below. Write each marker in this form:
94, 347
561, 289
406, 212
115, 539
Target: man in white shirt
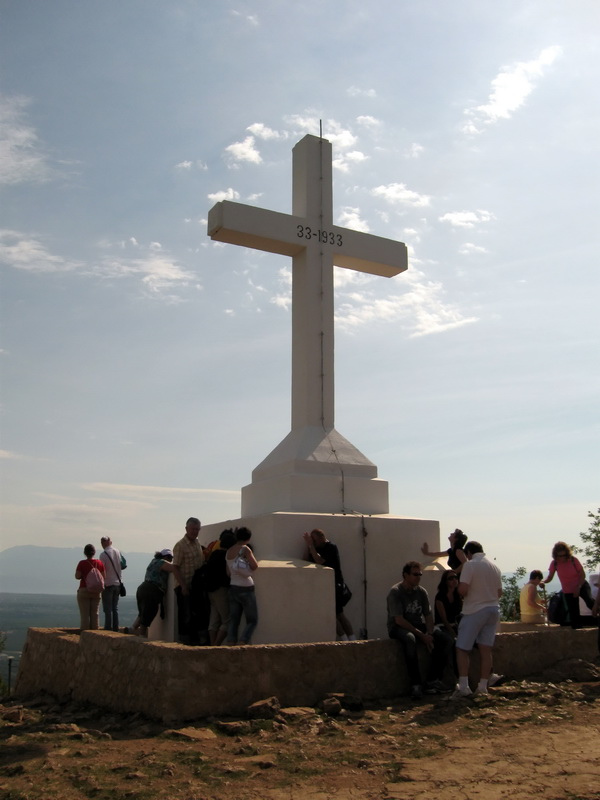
111, 558
481, 588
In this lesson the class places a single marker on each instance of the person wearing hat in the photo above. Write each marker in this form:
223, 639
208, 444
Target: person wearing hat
151, 592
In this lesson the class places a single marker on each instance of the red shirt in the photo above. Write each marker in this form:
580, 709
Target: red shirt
85, 566
569, 573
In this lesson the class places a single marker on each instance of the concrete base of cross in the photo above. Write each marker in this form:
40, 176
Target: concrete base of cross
165, 629
296, 601
315, 470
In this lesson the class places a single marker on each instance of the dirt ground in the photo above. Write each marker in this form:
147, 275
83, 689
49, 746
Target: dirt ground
523, 740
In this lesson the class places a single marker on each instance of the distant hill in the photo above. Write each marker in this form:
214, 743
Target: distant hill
27, 569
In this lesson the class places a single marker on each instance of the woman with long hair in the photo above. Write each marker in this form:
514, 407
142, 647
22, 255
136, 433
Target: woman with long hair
456, 554
572, 580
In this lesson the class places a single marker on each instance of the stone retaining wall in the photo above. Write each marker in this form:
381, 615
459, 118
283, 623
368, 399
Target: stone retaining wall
173, 682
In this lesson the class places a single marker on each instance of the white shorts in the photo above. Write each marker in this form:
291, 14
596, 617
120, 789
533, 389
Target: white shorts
478, 627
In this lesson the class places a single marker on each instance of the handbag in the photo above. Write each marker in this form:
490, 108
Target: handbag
346, 594
122, 589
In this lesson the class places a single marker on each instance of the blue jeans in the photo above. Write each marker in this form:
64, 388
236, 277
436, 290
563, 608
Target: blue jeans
110, 603
242, 600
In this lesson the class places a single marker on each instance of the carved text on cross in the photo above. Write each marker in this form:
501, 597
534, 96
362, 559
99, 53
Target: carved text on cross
316, 245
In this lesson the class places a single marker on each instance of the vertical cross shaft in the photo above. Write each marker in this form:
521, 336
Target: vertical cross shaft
312, 290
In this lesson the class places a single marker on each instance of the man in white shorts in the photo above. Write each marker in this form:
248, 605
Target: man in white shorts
481, 588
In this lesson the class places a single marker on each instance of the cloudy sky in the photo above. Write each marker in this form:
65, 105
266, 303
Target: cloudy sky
146, 370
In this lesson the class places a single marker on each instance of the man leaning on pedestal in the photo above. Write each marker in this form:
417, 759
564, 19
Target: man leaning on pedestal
188, 556
410, 621
481, 589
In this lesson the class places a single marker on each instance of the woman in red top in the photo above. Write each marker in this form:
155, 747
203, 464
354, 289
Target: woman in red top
88, 600
572, 580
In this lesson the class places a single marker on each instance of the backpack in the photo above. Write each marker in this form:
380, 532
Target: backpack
557, 609
94, 582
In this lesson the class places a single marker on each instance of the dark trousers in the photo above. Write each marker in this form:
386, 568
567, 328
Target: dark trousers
442, 645
185, 625
573, 604
192, 616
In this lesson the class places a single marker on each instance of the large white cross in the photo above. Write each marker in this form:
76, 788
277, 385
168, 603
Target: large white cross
316, 245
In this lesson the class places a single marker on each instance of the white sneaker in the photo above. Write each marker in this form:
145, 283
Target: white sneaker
458, 693
495, 679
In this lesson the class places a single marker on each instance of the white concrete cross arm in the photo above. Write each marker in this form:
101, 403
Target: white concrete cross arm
288, 235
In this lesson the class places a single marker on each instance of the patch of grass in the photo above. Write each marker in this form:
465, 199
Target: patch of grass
394, 770
424, 746
296, 764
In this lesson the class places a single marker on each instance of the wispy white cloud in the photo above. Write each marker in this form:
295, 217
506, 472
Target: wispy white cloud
467, 219
414, 151
283, 297
243, 151
141, 490
23, 252
226, 194
9, 456
398, 193
510, 88
368, 121
355, 91
350, 218
421, 310
187, 166
157, 272
251, 19
469, 248
345, 160
340, 137
303, 123
22, 159
262, 131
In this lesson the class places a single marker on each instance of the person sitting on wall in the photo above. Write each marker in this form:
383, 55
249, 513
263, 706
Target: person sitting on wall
410, 621
151, 593
533, 610
456, 554
321, 551
448, 609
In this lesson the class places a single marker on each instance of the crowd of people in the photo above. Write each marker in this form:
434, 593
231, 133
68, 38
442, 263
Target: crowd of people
214, 589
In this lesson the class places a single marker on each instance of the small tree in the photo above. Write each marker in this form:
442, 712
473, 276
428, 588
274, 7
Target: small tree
509, 602
591, 541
